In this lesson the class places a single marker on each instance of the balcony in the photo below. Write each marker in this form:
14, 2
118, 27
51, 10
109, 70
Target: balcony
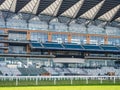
3, 35
3, 47
28, 55
101, 57
15, 41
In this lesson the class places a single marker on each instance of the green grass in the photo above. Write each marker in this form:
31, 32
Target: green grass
62, 82
98, 87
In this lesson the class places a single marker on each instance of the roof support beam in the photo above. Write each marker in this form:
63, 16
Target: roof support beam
75, 14
20, 4
116, 15
8, 13
66, 4
1, 1
87, 5
31, 14
43, 5
107, 6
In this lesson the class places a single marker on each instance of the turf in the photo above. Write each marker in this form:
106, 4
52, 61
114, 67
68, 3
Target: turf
63, 88
66, 82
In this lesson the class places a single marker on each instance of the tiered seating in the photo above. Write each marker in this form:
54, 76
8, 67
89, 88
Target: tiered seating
15, 71
77, 71
91, 47
23, 71
1, 73
52, 45
94, 72
32, 71
63, 71
72, 46
41, 71
52, 71
5, 70
109, 47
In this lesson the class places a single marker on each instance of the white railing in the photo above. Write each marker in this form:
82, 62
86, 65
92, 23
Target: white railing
55, 79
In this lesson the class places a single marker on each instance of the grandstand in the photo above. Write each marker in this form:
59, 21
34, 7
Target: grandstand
59, 38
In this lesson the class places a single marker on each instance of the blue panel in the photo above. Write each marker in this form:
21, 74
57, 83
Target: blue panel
105, 47
73, 46
92, 47
52, 45
36, 45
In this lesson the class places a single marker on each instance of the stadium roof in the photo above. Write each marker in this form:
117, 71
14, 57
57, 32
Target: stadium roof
106, 10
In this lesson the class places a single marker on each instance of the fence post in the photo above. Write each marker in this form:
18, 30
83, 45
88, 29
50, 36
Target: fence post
101, 80
114, 80
36, 80
71, 81
86, 80
16, 81
54, 81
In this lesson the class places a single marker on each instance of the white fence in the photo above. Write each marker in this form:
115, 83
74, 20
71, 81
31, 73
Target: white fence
55, 79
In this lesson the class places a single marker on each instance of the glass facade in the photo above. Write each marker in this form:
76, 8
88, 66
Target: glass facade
2, 22
78, 39
39, 36
96, 40
17, 23
38, 25
112, 31
114, 41
17, 49
58, 27
17, 35
77, 28
60, 38
1, 44
1, 32
95, 30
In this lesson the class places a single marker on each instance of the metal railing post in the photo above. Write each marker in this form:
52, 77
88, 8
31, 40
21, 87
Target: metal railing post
86, 80
36, 80
101, 80
54, 81
114, 80
16, 81
71, 81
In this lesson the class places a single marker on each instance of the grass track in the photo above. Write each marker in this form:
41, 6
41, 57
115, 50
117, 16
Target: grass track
12, 83
63, 88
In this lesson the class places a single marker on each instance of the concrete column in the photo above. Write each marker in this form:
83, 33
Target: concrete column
49, 36
88, 39
69, 38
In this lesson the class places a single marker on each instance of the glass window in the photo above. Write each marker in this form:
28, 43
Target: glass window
39, 36
17, 49
17, 35
1, 44
1, 31
78, 39
114, 41
96, 40
60, 38
58, 27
